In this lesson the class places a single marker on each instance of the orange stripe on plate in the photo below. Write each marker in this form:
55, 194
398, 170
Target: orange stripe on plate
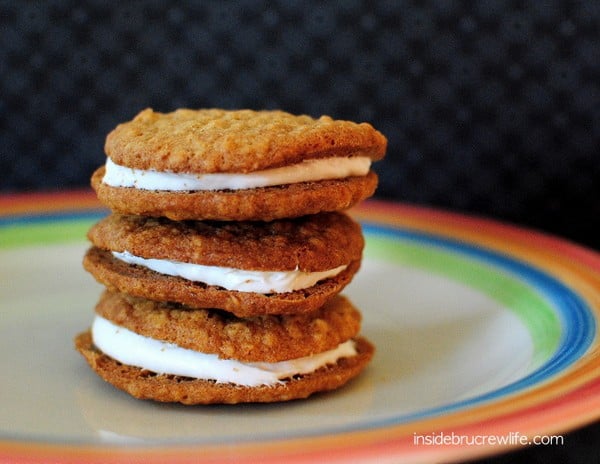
47, 202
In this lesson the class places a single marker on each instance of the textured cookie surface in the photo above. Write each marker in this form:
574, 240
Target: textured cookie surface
143, 384
266, 338
258, 204
138, 281
311, 243
215, 140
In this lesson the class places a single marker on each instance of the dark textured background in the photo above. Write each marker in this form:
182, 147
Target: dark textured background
490, 107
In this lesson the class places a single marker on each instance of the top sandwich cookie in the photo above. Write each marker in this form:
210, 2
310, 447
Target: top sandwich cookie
237, 165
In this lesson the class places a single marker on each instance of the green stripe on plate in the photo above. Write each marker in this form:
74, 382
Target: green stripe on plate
528, 305
44, 233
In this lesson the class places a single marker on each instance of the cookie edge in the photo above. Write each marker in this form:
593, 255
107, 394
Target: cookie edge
261, 204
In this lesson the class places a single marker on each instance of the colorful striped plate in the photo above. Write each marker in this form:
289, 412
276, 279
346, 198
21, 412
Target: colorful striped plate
486, 340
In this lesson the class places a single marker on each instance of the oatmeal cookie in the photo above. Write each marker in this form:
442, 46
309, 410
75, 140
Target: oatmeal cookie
143, 384
257, 204
239, 141
138, 281
262, 338
182, 152
329, 243
310, 243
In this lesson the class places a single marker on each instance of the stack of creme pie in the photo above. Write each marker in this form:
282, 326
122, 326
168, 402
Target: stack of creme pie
225, 254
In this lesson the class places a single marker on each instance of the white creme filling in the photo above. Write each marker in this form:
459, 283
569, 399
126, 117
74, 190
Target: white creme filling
231, 278
161, 357
306, 171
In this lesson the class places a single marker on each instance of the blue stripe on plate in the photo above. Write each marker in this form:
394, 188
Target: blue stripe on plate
40, 218
576, 317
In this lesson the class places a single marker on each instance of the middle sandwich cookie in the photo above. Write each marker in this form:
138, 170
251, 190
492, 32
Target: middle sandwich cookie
290, 266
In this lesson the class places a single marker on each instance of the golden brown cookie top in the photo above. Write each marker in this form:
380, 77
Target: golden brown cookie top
262, 338
216, 140
309, 243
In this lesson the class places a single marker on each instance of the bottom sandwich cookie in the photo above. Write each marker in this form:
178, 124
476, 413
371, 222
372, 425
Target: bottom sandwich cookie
169, 352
